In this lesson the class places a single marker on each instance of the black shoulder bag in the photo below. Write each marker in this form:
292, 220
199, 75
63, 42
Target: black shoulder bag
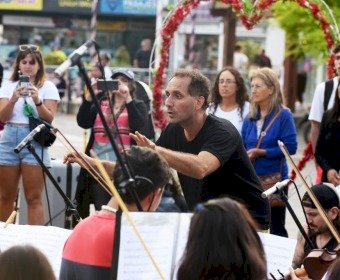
45, 137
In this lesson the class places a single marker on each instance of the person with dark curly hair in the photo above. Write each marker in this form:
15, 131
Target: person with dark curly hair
229, 98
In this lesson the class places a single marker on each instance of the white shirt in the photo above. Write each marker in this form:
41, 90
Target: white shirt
47, 91
316, 111
233, 116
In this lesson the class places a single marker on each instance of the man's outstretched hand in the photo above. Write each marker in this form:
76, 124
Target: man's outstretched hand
142, 141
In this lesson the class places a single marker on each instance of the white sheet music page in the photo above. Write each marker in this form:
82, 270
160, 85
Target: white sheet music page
182, 237
158, 231
48, 239
279, 253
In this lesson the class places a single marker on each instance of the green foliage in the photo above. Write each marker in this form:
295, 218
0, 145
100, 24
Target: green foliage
55, 57
303, 33
122, 57
250, 48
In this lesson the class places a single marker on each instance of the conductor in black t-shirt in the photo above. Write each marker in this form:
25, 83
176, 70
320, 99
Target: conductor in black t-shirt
206, 151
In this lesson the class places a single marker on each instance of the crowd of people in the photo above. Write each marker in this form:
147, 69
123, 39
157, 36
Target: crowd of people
221, 140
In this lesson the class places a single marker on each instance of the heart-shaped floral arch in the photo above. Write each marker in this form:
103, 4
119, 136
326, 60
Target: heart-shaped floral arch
249, 12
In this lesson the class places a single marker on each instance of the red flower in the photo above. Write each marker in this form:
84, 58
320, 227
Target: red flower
181, 11
307, 155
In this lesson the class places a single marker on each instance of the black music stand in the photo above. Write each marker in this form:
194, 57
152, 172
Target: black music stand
70, 207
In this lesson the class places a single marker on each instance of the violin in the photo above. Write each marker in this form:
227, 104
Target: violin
318, 260
316, 263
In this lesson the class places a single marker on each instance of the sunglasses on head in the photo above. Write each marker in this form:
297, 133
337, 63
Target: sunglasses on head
32, 48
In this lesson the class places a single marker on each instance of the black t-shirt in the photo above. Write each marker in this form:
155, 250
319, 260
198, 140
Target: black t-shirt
143, 58
236, 176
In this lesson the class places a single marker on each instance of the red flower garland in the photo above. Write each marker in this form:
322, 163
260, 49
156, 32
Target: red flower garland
307, 155
181, 11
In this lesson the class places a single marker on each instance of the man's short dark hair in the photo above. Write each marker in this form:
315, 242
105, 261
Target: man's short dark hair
336, 49
199, 84
150, 170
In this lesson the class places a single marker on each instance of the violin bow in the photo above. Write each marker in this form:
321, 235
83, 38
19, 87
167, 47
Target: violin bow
85, 163
104, 180
310, 193
122, 205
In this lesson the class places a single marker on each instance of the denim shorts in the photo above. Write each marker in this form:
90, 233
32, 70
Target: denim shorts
11, 136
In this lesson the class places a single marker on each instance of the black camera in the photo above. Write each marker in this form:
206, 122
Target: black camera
24, 82
107, 84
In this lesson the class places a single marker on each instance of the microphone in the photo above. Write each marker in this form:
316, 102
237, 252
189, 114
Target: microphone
277, 187
73, 57
28, 138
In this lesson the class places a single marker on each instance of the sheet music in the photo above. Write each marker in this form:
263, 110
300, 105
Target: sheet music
48, 239
159, 232
182, 237
279, 253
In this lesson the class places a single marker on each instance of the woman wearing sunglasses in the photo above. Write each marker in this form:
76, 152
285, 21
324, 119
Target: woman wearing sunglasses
39, 97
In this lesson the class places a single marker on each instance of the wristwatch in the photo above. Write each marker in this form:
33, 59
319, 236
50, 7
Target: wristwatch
38, 104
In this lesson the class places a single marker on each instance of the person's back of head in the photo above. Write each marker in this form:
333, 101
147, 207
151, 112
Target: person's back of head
25, 262
222, 244
150, 170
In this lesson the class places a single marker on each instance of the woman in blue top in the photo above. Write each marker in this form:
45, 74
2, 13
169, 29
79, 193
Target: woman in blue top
266, 102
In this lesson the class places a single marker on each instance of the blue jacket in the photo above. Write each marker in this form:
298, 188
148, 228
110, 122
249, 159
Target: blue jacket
282, 129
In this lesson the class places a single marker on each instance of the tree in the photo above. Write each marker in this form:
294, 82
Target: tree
303, 33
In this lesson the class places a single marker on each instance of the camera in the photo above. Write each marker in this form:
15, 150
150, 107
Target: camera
24, 82
107, 84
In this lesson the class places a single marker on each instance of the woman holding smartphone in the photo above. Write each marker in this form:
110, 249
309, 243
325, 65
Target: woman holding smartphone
40, 97
120, 107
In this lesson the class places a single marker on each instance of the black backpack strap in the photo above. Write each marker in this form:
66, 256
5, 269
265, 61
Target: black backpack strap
116, 244
328, 92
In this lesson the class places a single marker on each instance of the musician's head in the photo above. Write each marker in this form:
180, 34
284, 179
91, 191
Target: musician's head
25, 262
222, 244
329, 200
151, 173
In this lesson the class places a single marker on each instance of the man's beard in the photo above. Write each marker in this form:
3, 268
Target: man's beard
316, 231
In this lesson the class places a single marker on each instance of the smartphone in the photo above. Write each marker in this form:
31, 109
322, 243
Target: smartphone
107, 84
24, 82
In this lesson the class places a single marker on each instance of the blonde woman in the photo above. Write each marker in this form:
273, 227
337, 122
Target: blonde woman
269, 118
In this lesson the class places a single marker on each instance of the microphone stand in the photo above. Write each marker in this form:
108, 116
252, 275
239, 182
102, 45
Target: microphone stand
70, 208
284, 197
130, 182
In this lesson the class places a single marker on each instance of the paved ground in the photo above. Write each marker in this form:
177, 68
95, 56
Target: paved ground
68, 126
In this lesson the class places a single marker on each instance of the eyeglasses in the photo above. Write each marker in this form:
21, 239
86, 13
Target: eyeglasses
228, 82
32, 48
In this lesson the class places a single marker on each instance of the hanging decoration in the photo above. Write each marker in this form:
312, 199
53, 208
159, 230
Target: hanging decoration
250, 13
